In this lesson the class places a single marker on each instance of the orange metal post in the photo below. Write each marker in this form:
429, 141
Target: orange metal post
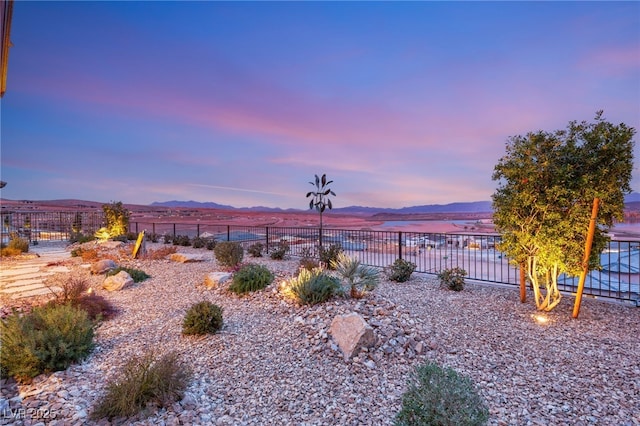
587, 253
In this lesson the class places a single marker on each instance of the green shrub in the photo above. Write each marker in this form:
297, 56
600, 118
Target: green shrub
359, 278
251, 277
181, 240
202, 318
439, 396
280, 251
211, 244
152, 236
255, 249
311, 287
198, 242
167, 238
49, 338
400, 271
77, 237
144, 382
136, 274
453, 278
330, 254
228, 253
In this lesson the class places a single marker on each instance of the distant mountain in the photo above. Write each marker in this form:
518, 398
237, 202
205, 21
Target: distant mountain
192, 205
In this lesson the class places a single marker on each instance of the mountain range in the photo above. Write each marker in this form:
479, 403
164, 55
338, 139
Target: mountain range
632, 201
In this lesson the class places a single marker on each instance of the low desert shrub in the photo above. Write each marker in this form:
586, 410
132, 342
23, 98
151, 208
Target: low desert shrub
255, 249
97, 307
211, 244
359, 278
329, 254
72, 288
228, 253
87, 255
280, 251
152, 236
131, 236
144, 382
311, 287
167, 238
78, 237
307, 260
198, 242
452, 278
400, 271
202, 318
15, 247
136, 274
440, 396
49, 338
181, 240
251, 277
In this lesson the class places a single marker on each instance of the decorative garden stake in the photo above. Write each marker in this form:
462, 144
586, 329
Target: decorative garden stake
320, 197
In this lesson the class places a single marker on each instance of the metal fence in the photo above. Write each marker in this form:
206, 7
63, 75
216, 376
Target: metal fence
49, 226
477, 254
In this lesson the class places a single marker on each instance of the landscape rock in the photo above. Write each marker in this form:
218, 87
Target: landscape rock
215, 279
351, 332
103, 266
118, 282
187, 257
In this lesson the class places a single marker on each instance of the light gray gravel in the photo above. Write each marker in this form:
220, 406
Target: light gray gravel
274, 364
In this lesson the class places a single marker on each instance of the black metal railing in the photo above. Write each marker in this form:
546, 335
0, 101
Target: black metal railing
477, 254
49, 226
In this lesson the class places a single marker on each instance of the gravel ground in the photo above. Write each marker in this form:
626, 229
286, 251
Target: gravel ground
273, 363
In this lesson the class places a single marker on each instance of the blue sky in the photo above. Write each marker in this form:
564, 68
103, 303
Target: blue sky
242, 103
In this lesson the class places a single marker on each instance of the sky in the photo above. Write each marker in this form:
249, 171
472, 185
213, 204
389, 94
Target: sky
243, 103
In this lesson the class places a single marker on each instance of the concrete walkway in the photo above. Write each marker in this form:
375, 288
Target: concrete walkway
25, 278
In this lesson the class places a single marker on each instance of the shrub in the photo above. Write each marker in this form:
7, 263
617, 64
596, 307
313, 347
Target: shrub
251, 277
152, 236
360, 278
181, 240
280, 251
198, 242
144, 381
132, 236
453, 278
49, 338
255, 249
117, 218
202, 318
87, 255
439, 396
400, 271
211, 244
311, 287
16, 247
167, 238
136, 274
97, 307
228, 253
330, 254
72, 289
307, 260
78, 237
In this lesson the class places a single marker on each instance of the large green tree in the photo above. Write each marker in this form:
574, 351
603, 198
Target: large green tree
547, 182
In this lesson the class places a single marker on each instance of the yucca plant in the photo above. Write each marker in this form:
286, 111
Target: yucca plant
359, 278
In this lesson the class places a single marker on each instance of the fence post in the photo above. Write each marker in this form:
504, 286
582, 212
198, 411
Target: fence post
228, 233
267, 236
153, 227
174, 231
198, 230
399, 244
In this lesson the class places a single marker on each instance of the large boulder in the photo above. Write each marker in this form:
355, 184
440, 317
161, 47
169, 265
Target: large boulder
351, 333
215, 279
187, 257
103, 266
117, 282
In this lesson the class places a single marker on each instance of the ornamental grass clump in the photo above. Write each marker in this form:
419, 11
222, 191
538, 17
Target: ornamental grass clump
228, 253
311, 287
359, 278
251, 277
145, 383
202, 318
440, 396
400, 271
136, 275
50, 338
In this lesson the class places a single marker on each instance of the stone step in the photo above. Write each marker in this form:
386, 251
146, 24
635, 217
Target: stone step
25, 287
36, 292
